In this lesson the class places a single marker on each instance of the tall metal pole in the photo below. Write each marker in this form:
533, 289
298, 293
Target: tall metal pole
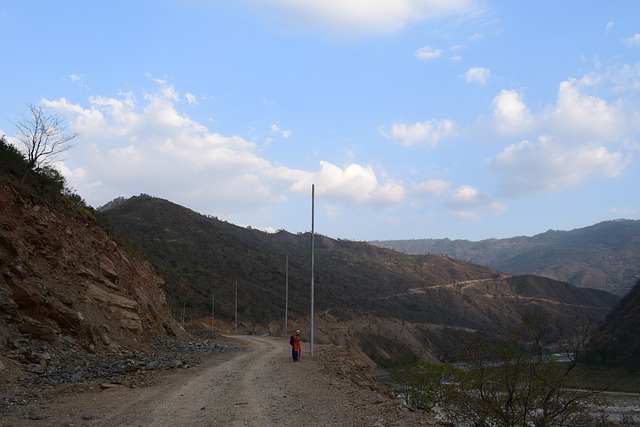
184, 311
236, 307
286, 296
213, 312
312, 262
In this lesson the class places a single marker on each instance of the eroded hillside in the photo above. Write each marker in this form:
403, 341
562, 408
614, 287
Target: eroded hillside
64, 283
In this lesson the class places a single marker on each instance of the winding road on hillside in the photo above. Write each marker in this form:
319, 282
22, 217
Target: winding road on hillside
258, 387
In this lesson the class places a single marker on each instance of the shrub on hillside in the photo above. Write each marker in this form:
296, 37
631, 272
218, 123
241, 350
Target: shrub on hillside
46, 181
517, 381
12, 162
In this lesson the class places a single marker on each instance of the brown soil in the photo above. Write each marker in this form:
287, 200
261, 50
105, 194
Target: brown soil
259, 386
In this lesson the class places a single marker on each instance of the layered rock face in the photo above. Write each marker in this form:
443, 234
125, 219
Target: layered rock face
62, 278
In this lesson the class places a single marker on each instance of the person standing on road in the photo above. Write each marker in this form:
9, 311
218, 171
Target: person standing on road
294, 341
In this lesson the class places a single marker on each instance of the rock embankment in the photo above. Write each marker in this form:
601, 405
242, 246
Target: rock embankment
62, 277
33, 373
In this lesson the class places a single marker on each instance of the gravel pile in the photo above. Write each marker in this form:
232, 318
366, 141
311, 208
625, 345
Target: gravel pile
66, 363
78, 366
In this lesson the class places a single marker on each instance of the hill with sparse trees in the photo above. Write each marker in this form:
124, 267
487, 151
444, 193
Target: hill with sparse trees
381, 302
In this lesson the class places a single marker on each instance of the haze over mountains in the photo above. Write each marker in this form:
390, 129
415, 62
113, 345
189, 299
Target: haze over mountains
603, 256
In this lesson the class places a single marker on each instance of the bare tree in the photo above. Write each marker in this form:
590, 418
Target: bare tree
515, 380
43, 136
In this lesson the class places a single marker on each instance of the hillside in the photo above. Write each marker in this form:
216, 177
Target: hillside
68, 291
603, 256
86, 308
86, 331
378, 301
618, 341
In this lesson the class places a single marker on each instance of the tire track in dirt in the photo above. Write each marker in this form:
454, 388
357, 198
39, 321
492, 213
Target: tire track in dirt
234, 392
259, 391
257, 387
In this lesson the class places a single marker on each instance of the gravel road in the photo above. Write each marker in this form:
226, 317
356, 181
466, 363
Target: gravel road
259, 386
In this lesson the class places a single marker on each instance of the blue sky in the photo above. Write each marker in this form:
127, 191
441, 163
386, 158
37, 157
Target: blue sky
458, 119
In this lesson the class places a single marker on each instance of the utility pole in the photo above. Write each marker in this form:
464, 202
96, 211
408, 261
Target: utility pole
213, 300
236, 307
184, 311
286, 295
312, 261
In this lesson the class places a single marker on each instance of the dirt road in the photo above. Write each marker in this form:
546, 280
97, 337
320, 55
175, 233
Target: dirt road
258, 387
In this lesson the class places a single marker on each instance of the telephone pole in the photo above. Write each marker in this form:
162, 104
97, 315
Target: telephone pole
312, 261
286, 296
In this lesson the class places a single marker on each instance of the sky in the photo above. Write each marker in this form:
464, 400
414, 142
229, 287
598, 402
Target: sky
411, 119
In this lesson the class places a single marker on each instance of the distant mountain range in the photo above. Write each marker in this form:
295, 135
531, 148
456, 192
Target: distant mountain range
604, 256
376, 301
116, 278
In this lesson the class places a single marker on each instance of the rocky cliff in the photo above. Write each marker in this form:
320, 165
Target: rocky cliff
64, 283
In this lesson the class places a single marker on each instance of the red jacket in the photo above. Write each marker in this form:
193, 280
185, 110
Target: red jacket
296, 342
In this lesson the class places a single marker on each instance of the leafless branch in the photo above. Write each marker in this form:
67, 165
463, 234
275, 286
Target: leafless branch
43, 136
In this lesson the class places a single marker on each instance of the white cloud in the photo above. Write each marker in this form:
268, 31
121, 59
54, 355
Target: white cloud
468, 202
569, 140
510, 114
428, 133
353, 185
169, 92
465, 197
582, 116
548, 165
432, 187
362, 16
633, 41
275, 129
478, 75
191, 98
427, 52
128, 147
575, 115
78, 79
626, 79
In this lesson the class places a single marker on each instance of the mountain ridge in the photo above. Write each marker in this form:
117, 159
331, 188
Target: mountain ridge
86, 295
601, 256
202, 258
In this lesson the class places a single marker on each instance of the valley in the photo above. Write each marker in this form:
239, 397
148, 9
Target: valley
86, 297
